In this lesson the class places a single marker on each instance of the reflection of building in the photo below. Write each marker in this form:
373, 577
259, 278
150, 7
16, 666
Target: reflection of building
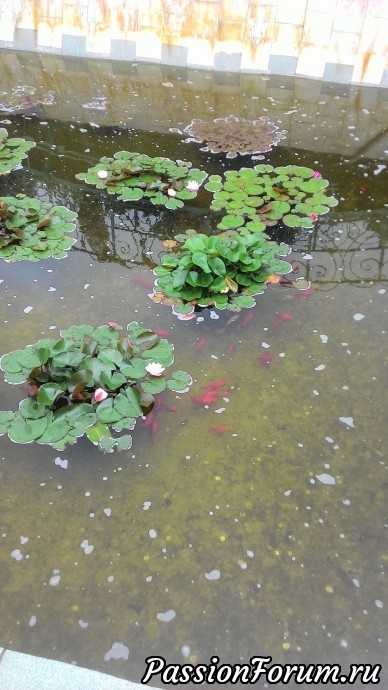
349, 250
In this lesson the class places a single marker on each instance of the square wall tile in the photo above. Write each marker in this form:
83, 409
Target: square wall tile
338, 73
199, 53
311, 62
286, 39
282, 64
291, 11
174, 55
25, 39
256, 57
369, 68
227, 62
232, 11
6, 26
148, 46
73, 45
317, 28
349, 15
122, 50
50, 36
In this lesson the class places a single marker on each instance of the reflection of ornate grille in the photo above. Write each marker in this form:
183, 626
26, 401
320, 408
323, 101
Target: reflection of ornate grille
349, 250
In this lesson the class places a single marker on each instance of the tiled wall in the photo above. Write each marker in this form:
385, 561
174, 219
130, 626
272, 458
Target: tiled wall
337, 40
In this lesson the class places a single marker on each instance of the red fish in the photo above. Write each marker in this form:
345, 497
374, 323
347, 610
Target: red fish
214, 385
148, 420
247, 319
161, 332
219, 430
154, 426
208, 398
284, 317
265, 360
141, 282
200, 344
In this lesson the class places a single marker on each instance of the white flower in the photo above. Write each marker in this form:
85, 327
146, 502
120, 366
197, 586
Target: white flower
192, 186
100, 394
171, 192
155, 369
102, 174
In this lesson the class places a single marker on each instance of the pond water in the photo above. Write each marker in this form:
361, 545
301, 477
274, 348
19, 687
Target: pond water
257, 527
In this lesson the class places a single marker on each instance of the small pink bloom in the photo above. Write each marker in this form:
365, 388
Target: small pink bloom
171, 192
316, 174
102, 174
100, 394
192, 186
155, 369
313, 216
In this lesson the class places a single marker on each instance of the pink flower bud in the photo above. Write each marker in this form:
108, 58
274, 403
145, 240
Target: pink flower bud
100, 395
313, 216
316, 174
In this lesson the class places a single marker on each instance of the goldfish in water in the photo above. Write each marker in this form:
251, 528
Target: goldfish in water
161, 332
219, 430
283, 316
200, 344
208, 398
265, 360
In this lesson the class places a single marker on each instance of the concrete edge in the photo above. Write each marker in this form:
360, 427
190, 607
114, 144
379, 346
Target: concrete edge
19, 671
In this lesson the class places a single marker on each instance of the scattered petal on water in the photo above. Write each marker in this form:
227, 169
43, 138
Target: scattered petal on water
347, 420
61, 463
320, 367
27, 310
166, 616
17, 554
324, 338
325, 478
117, 651
213, 575
358, 317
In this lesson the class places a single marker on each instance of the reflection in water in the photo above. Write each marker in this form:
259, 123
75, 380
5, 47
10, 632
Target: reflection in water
252, 526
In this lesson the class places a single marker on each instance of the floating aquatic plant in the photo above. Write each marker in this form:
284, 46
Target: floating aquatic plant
89, 380
31, 229
12, 151
233, 135
134, 176
262, 196
224, 271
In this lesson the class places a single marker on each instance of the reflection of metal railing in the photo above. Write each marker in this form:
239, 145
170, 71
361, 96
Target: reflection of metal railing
349, 250
351, 247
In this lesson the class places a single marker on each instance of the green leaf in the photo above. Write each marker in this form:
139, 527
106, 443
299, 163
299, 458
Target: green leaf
48, 393
217, 266
6, 418
131, 407
25, 431
96, 432
154, 385
112, 381
30, 409
106, 413
179, 382
200, 259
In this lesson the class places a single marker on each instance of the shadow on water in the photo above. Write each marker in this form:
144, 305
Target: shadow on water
255, 527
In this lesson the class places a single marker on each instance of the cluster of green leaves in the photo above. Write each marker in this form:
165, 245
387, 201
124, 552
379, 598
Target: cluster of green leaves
134, 176
63, 376
263, 195
33, 230
224, 270
12, 151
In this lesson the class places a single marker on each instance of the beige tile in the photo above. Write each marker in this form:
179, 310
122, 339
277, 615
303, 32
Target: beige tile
343, 47
317, 28
6, 27
50, 35
98, 41
369, 68
232, 11
286, 40
349, 15
148, 46
374, 35
326, 5
291, 11
256, 57
200, 53
311, 62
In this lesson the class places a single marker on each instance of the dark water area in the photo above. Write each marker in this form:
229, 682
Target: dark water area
255, 528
